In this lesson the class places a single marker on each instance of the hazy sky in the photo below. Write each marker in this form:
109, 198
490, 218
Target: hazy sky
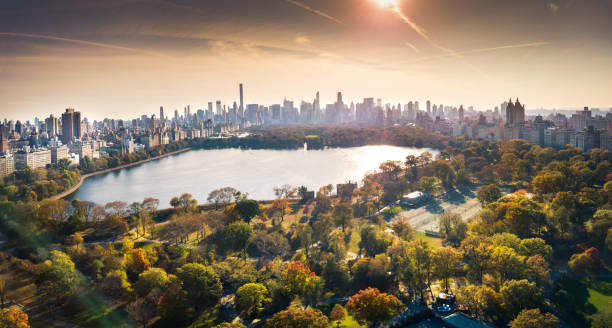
123, 58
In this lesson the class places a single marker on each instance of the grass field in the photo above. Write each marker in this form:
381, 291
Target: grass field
348, 322
578, 298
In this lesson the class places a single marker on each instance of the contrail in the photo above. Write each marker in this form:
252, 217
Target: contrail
491, 49
421, 31
88, 43
315, 11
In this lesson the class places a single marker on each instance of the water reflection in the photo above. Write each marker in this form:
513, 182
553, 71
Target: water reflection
254, 171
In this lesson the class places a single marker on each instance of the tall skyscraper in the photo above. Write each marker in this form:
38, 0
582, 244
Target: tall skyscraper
4, 146
241, 109
51, 124
161, 113
71, 125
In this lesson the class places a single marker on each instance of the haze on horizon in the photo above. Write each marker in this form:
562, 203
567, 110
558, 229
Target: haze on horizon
122, 58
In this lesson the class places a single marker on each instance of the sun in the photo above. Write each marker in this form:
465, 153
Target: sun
387, 3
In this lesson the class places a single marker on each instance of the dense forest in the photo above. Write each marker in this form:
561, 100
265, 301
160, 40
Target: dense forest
537, 254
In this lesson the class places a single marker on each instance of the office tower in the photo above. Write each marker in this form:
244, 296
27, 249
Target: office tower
428, 107
241, 109
4, 146
461, 113
71, 125
218, 105
51, 124
176, 115
161, 113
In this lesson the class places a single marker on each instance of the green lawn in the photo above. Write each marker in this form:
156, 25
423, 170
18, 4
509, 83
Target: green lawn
348, 322
600, 293
433, 242
576, 299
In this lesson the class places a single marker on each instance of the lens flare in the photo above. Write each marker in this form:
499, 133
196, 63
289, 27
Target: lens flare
387, 3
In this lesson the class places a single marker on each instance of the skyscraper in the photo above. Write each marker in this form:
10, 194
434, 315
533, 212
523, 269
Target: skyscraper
241, 109
4, 146
161, 113
71, 126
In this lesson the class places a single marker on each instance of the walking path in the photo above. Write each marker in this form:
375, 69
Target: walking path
83, 177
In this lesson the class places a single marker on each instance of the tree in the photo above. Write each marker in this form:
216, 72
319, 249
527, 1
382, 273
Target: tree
445, 262
343, 214
452, 228
518, 295
535, 319
201, 283
374, 241
418, 254
428, 185
488, 194
281, 205
251, 298
476, 252
222, 196
13, 318
297, 278
285, 191
601, 319
587, 262
338, 312
444, 172
3, 290
187, 203
296, 317
371, 272
143, 309
60, 278
248, 209
237, 235
174, 307
116, 285
75, 239
402, 228
136, 262
151, 279
537, 269
372, 306
547, 182
480, 300
230, 325
535, 246
506, 263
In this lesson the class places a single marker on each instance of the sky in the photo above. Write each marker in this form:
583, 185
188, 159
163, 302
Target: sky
124, 58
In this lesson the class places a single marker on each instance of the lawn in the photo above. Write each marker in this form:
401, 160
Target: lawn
432, 241
347, 322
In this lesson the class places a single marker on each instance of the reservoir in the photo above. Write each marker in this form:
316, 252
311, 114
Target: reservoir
255, 172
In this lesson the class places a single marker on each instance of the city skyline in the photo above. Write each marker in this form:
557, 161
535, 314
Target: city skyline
123, 58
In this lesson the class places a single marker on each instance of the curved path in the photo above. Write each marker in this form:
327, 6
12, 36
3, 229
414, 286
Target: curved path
83, 177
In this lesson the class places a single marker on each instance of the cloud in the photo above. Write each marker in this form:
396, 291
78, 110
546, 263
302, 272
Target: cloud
83, 42
315, 11
303, 40
553, 7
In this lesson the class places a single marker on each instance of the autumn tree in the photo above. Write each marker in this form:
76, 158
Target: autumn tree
281, 206
372, 306
402, 228
481, 300
452, 228
535, 319
343, 214
237, 235
223, 196
476, 253
518, 295
13, 318
296, 317
445, 261
151, 279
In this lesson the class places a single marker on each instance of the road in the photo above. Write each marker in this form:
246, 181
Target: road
425, 217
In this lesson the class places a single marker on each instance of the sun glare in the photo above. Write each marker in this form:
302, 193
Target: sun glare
387, 3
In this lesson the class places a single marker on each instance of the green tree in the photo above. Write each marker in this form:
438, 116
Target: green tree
372, 306
151, 279
373, 241
237, 235
248, 209
488, 194
201, 283
251, 299
506, 263
428, 185
343, 214
481, 300
60, 278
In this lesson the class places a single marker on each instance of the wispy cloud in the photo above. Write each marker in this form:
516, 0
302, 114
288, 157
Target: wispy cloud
316, 11
553, 7
303, 40
412, 46
77, 41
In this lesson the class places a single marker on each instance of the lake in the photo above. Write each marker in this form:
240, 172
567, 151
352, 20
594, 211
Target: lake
256, 172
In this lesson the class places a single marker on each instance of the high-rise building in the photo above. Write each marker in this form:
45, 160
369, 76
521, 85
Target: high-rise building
71, 126
515, 113
241, 109
161, 113
4, 146
51, 124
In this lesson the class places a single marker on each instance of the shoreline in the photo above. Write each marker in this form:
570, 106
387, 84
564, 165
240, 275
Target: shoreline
76, 187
